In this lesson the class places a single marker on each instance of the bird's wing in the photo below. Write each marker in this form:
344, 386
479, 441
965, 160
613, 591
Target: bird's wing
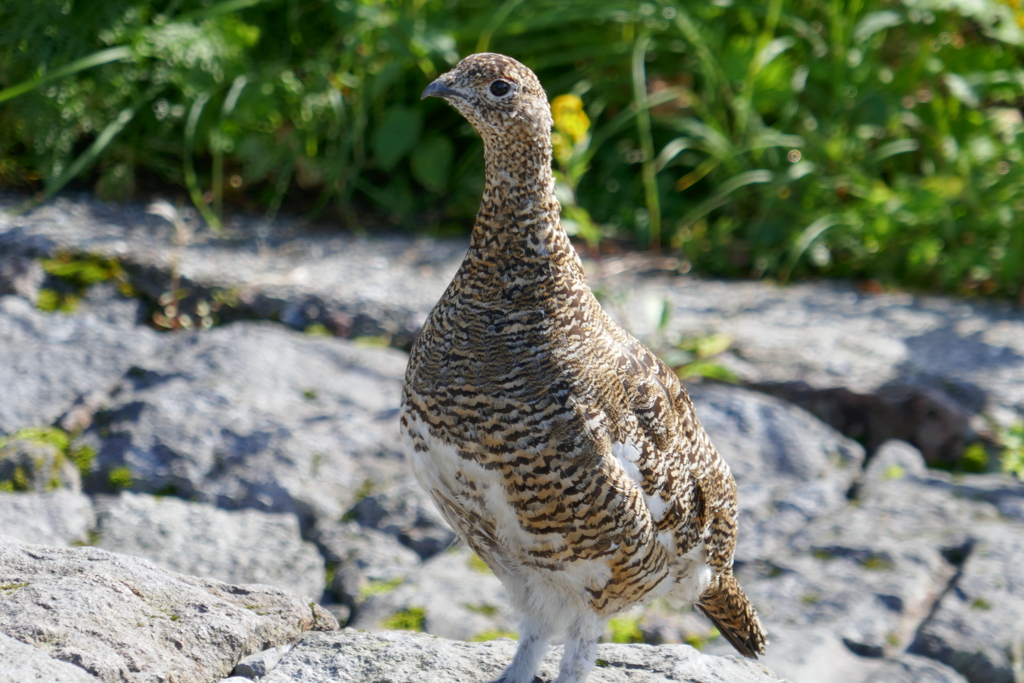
687, 485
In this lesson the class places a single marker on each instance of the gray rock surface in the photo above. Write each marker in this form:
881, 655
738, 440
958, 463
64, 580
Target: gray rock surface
852, 561
51, 361
978, 628
37, 467
459, 597
21, 275
256, 415
364, 559
123, 619
876, 366
353, 285
21, 663
58, 518
236, 546
907, 668
257, 665
405, 511
351, 656
788, 465
887, 573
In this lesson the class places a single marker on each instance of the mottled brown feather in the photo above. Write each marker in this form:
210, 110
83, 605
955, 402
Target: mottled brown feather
520, 373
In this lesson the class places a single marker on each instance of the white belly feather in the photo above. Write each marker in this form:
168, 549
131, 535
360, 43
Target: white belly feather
555, 596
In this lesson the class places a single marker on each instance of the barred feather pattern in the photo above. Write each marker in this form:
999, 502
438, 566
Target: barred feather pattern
560, 448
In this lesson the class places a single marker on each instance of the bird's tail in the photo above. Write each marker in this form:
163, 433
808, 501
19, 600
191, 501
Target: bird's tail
729, 609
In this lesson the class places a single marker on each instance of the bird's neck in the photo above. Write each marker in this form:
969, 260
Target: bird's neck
518, 207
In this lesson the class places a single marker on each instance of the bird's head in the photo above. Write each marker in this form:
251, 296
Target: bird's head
500, 97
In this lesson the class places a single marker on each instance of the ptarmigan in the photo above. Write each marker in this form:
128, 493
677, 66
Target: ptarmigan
559, 448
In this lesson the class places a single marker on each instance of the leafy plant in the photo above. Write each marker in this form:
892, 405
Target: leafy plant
76, 273
492, 635
695, 357
477, 564
625, 630
1012, 455
878, 139
120, 477
81, 455
380, 587
405, 620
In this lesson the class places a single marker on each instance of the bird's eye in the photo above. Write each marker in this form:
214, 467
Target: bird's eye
499, 88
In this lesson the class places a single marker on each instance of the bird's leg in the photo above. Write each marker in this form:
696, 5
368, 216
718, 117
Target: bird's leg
580, 649
534, 635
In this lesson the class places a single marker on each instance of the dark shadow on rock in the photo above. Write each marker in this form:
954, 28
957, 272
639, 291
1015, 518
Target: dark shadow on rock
929, 402
924, 416
944, 346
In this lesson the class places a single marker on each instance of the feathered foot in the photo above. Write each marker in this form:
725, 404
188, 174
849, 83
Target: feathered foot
580, 649
533, 645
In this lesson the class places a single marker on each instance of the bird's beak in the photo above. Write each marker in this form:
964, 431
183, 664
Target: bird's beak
439, 89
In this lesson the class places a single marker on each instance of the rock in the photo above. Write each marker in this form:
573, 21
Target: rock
907, 668
848, 566
21, 663
894, 460
51, 361
21, 275
453, 595
351, 656
123, 619
406, 512
924, 369
978, 628
364, 560
353, 285
255, 415
854, 587
666, 621
240, 546
257, 666
34, 465
875, 366
788, 465
58, 518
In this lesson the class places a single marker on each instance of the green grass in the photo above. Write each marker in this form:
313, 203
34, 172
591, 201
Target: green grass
893, 471
82, 456
120, 477
76, 273
1011, 457
625, 630
12, 586
380, 587
699, 642
405, 620
877, 562
483, 608
785, 139
478, 565
493, 634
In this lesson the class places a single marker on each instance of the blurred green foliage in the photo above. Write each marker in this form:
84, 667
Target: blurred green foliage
1011, 456
791, 138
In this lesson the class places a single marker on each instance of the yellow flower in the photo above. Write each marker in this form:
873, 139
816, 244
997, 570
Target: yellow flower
1018, 10
570, 119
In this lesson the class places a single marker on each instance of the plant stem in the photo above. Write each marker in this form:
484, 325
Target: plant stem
643, 124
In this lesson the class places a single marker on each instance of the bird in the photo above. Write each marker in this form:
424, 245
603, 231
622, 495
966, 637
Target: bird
559, 448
